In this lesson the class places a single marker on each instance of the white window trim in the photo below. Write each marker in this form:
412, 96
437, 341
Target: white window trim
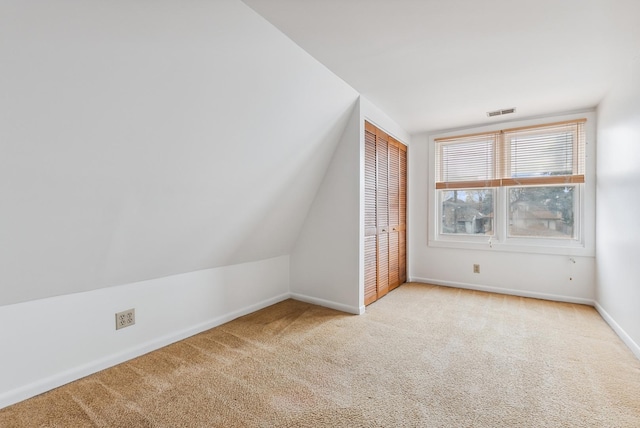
584, 245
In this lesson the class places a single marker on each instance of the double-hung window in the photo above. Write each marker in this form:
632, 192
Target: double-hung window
519, 185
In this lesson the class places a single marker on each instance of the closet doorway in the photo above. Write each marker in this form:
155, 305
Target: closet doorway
385, 213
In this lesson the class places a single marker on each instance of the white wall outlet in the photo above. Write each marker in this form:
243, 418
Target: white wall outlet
476, 268
125, 318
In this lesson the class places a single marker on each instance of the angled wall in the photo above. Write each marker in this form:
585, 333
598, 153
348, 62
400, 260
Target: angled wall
144, 140
617, 244
161, 156
324, 260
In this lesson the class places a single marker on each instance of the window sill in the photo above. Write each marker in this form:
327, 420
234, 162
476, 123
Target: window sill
574, 249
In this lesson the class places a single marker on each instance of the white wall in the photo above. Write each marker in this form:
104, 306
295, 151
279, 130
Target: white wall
145, 139
532, 273
618, 230
49, 342
324, 260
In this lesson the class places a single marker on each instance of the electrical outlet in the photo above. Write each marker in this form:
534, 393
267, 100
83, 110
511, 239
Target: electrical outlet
476, 268
125, 318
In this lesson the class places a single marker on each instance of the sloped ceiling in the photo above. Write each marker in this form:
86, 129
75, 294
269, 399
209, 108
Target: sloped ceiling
434, 64
143, 139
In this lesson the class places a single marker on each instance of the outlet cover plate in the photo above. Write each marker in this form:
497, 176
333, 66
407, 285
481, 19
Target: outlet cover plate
125, 318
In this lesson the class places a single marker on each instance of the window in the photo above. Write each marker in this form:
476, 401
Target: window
513, 185
542, 212
467, 211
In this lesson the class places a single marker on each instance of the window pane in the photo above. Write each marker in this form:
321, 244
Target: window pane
467, 211
541, 211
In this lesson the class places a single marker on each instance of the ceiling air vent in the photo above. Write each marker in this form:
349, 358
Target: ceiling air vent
501, 112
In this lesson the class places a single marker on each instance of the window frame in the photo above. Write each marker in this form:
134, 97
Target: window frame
584, 201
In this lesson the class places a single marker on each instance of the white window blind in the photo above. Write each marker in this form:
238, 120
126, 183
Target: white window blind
470, 160
536, 155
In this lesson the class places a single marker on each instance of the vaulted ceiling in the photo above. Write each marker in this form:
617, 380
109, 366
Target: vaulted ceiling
433, 64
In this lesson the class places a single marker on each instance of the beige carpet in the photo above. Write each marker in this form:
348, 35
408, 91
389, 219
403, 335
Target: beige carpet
423, 356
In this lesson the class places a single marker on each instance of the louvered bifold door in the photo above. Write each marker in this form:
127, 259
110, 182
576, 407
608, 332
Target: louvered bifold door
402, 236
370, 231
385, 200
394, 215
382, 210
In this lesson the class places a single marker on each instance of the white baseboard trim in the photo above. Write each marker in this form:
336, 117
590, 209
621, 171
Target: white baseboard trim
356, 310
633, 346
509, 291
59, 379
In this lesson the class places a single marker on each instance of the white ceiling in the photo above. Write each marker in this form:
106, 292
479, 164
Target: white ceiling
439, 64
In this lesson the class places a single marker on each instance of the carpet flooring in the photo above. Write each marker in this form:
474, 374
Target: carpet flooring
423, 356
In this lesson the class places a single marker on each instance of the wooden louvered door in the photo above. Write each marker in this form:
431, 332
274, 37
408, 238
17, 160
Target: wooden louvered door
394, 216
402, 225
370, 231
385, 213
382, 210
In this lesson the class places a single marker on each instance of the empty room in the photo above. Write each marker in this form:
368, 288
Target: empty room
265, 213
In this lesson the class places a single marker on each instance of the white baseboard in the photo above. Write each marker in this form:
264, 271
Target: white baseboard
328, 304
633, 346
509, 291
